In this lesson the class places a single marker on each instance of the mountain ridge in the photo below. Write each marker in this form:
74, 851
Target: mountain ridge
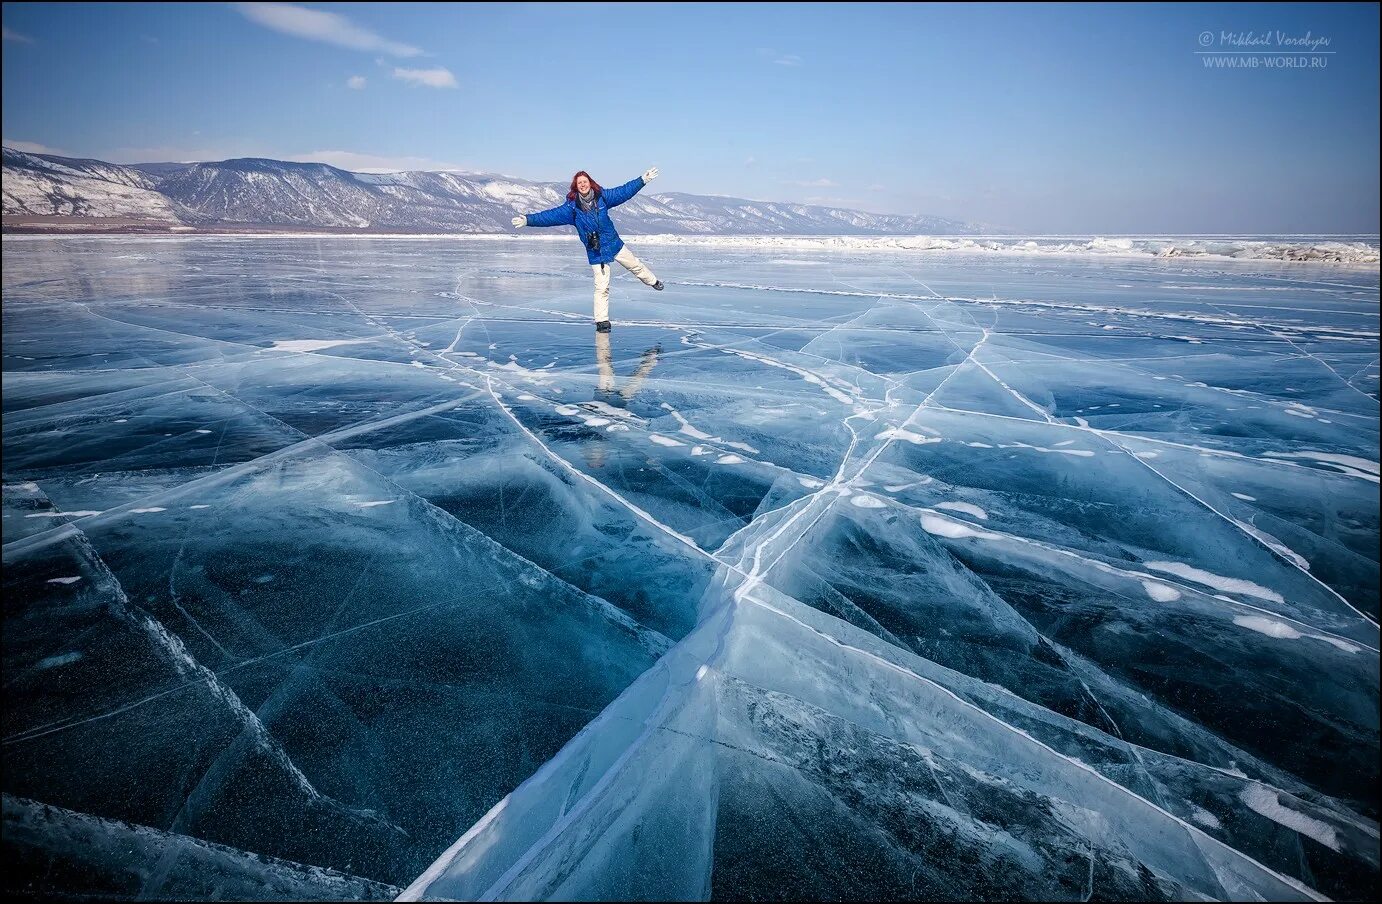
264, 193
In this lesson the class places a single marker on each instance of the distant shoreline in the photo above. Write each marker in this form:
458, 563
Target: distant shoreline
1353, 251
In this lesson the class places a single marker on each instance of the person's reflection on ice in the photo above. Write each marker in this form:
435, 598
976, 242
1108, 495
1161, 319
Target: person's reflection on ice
610, 393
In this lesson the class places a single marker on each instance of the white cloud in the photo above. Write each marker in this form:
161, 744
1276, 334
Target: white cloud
315, 25
16, 36
432, 78
750, 161
778, 57
33, 147
815, 183
356, 81
373, 163
875, 187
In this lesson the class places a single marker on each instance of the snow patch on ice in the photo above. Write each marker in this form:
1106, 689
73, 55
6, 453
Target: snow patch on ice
1351, 465
1269, 626
908, 436
945, 527
1160, 592
1268, 803
966, 507
53, 662
1205, 818
1218, 582
310, 345
1274, 545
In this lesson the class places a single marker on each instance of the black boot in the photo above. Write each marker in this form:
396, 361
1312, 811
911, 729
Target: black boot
658, 285
602, 326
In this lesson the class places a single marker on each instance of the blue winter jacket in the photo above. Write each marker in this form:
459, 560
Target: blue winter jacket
596, 221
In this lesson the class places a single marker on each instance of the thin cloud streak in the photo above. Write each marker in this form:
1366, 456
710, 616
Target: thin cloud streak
33, 147
432, 78
329, 28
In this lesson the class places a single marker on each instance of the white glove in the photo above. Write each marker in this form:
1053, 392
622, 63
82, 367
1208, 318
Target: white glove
650, 175
520, 222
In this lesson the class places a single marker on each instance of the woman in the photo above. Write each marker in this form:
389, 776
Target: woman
587, 208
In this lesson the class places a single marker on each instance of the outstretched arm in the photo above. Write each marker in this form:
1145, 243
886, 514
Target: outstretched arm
563, 215
618, 195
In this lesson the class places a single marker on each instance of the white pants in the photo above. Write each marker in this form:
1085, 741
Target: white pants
630, 263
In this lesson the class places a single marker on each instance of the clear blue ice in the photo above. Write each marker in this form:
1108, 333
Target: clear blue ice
365, 567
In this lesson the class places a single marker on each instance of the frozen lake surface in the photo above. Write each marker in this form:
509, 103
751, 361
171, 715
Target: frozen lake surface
826, 574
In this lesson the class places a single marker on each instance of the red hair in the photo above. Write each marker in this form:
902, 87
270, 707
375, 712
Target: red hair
594, 186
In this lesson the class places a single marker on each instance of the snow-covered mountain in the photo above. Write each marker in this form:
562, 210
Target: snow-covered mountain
43, 185
274, 193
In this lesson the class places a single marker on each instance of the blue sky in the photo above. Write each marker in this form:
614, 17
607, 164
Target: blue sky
1045, 118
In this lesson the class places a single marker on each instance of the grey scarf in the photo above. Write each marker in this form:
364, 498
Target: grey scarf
587, 200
